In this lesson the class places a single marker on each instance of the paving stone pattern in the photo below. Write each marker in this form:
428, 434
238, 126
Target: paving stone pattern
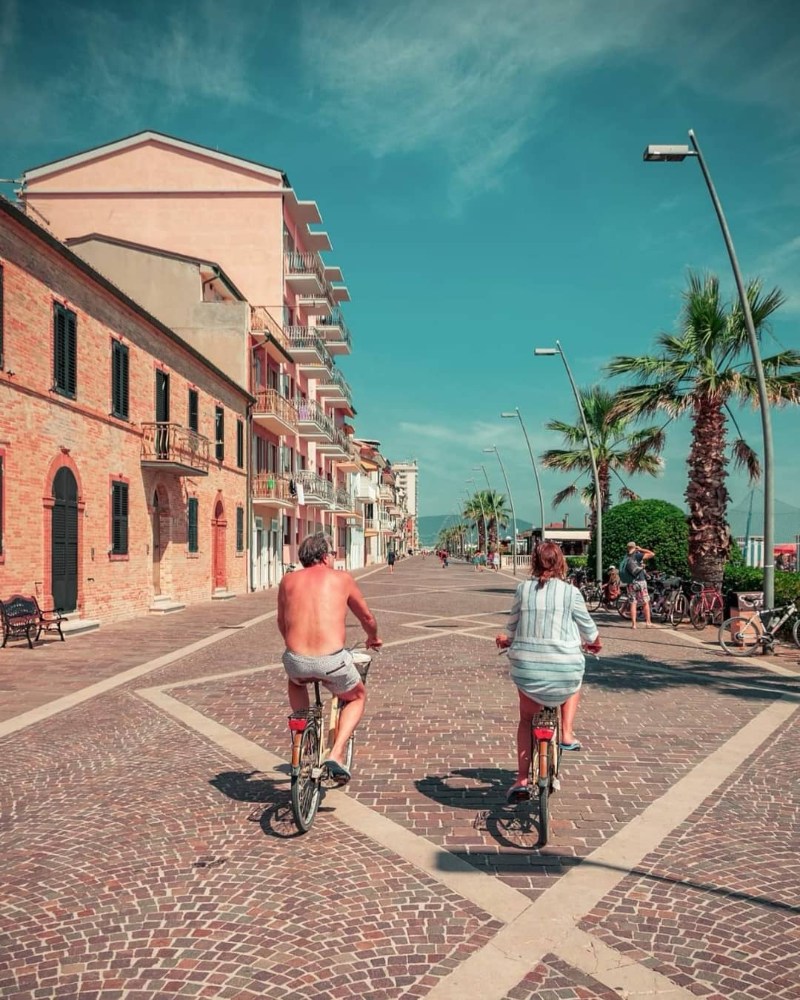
142, 861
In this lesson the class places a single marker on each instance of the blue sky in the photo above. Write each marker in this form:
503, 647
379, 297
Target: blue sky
478, 165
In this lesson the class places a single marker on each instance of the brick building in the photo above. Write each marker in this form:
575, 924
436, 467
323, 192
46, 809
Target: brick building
123, 481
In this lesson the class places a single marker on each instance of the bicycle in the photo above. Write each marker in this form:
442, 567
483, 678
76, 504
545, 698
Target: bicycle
602, 598
545, 759
741, 635
668, 600
706, 606
309, 749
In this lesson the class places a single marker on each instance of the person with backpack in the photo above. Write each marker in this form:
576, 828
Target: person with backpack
632, 573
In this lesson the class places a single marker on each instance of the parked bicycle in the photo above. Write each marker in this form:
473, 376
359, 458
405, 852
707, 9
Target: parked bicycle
743, 634
668, 601
706, 606
310, 747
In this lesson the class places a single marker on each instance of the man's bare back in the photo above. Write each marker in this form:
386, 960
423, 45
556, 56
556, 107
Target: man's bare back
312, 610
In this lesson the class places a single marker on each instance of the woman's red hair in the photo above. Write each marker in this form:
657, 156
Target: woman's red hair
548, 562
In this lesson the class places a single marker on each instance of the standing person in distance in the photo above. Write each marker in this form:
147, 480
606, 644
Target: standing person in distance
390, 559
637, 588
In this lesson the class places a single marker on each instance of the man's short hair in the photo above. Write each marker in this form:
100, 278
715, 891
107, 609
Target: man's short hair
314, 548
631, 546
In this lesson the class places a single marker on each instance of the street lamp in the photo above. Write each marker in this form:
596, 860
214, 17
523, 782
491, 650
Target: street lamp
518, 415
513, 514
676, 154
598, 497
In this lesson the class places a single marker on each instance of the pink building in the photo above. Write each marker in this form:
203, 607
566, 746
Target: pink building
149, 207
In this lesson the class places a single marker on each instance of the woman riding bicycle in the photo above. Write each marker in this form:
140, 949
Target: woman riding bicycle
547, 629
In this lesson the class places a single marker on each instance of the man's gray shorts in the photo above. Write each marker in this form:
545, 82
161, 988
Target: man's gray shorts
336, 671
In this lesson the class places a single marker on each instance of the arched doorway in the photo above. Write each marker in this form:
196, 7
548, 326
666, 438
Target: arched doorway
64, 540
218, 526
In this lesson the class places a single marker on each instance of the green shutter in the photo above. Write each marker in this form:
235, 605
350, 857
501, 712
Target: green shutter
192, 525
119, 518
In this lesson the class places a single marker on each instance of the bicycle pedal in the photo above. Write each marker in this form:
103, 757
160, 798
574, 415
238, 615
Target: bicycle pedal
316, 772
556, 784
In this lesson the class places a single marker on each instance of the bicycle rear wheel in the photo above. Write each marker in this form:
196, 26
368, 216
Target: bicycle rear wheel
306, 789
677, 611
796, 632
698, 615
624, 608
740, 636
593, 595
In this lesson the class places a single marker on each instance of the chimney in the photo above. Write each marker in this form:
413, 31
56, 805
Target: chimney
566, 518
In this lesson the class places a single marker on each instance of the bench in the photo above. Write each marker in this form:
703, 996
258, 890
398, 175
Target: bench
22, 616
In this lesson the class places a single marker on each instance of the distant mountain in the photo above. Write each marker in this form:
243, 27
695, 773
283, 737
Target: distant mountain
430, 525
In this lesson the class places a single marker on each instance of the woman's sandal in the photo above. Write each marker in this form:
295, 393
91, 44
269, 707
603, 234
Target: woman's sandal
518, 793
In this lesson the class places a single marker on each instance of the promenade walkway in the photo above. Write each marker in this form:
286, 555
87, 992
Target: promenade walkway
149, 851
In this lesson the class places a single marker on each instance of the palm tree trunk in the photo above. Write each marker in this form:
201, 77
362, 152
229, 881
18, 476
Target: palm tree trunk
706, 494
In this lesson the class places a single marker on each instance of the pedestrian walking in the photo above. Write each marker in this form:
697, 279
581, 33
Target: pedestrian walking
390, 559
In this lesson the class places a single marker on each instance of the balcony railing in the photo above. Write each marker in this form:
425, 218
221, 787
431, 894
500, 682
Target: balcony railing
334, 331
310, 412
269, 402
304, 343
315, 488
336, 379
344, 498
304, 262
271, 486
176, 448
262, 321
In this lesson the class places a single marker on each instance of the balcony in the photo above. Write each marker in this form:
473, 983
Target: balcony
314, 425
271, 490
350, 462
318, 304
386, 493
275, 342
335, 389
365, 490
333, 330
370, 526
309, 351
315, 490
274, 412
175, 449
336, 445
344, 499
304, 273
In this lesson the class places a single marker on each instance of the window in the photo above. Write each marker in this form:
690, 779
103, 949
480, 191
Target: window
64, 348
240, 529
119, 380
239, 444
194, 422
119, 519
1, 323
192, 525
219, 432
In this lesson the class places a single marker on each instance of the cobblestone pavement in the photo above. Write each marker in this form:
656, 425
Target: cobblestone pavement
149, 850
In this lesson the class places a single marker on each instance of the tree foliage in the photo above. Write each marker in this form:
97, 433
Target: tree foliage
653, 524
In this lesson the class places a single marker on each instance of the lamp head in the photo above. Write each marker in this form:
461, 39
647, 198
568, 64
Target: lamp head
659, 153
512, 415
489, 451
544, 351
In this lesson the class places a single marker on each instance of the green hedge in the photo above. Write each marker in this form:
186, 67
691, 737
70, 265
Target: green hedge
652, 524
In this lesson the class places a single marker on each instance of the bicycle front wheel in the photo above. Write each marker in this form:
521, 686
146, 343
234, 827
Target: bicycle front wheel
624, 608
796, 632
306, 789
593, 595
739, 636
677, 611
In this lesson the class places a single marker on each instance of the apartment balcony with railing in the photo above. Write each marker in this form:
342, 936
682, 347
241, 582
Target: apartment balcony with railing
344, 499
365, 490
316, 491
334, 388
303, 272
309, 351
264, 323
316, 425
274, 412
272, 490
175, 449
333, 330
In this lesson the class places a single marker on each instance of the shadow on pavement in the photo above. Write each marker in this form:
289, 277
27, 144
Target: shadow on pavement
273, 809
637, 672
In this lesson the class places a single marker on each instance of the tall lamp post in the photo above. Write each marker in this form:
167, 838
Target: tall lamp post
513, 513
673, 154
494, 501
518, 415
598, 498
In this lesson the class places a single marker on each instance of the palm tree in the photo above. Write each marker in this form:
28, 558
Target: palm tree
475, 511
616, 447
699, 371
496, 506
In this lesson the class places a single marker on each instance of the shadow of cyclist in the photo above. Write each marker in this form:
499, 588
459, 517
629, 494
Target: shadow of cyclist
272, 808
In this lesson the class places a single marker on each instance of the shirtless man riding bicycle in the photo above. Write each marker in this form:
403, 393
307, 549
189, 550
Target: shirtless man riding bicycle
312, 612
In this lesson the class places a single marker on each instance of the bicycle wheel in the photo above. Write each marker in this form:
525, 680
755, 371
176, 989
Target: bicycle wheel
305, 787
740, 636
594, 597
624, 608
698, 615
796, 632
717, 612
678, 609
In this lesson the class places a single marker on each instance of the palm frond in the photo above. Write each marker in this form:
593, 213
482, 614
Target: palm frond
745, 458
566, 494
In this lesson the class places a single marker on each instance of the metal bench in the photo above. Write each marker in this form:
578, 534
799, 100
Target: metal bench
21, 617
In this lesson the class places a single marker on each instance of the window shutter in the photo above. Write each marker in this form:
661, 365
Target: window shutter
240, 444
193, 411
192, 524
71, 324
240, 529
119, 380
64, 350
219, 436
119, 518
